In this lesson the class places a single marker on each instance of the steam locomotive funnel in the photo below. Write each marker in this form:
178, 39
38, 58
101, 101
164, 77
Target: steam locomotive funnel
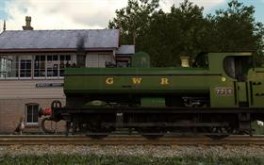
185, 61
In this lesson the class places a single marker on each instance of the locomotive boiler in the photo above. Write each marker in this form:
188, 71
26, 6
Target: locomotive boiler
220, 96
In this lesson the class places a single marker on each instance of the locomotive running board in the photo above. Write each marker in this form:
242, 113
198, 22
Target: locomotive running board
167, 110
164, 124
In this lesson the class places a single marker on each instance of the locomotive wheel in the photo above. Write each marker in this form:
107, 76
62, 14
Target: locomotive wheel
98, 132
220, 132
50, 123
90, 130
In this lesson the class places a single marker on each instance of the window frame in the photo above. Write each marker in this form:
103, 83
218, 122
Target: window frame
51, 67
32, 122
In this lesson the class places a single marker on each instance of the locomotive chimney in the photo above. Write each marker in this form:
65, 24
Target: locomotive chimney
185, 61
28, 24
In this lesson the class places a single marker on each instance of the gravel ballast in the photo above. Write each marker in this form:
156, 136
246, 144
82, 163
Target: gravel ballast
139, 150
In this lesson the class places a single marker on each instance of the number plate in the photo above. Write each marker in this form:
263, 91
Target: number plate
224, 91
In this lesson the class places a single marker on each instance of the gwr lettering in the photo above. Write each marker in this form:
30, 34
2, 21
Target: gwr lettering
164, 81
136, 81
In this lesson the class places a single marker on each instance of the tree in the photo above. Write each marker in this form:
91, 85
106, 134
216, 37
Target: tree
184, 30
133, 20
235, 29
174, 34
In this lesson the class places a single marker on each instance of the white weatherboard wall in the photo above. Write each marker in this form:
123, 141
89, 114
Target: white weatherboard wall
14, 89
95, 60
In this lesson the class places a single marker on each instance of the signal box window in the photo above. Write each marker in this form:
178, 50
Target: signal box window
32, 113
9, 67
40, 66
25, 68
65, 61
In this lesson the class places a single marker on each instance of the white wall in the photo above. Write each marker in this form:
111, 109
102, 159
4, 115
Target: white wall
13, 89
98, 60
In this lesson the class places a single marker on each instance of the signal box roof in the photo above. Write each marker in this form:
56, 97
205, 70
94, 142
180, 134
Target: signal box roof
45, 40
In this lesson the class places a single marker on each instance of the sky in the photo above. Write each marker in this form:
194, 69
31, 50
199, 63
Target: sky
88, 14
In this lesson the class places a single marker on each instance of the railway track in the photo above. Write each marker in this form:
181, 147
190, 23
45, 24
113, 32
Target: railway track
126, 140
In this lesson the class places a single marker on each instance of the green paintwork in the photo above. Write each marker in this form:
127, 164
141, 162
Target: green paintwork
150, 80
96, 103
224, 91
152, 102
140, 59
256, 87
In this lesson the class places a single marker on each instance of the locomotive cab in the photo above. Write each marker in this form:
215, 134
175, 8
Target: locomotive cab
231, 87
237, 67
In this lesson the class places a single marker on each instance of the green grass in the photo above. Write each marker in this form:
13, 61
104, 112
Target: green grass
125, 160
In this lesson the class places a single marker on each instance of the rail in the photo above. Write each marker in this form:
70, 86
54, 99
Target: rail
127, 140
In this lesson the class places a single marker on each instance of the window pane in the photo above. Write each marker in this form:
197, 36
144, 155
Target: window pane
65, 61
25, 66
62, 58
39, 63
52, 66
35, 114
8, 66
55, 58
42, 58
29, 114
32, 113
68, 58
49, 58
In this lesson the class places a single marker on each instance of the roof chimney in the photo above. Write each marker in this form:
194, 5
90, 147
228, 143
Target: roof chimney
28, 24
4, 27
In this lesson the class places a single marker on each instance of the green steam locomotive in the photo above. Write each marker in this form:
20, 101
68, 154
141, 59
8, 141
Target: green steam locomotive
220, 95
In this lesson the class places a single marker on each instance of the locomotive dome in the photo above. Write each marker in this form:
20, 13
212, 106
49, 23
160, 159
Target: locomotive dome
141, 59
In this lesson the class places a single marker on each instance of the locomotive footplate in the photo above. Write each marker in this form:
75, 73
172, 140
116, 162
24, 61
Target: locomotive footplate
166, 124
168, 110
